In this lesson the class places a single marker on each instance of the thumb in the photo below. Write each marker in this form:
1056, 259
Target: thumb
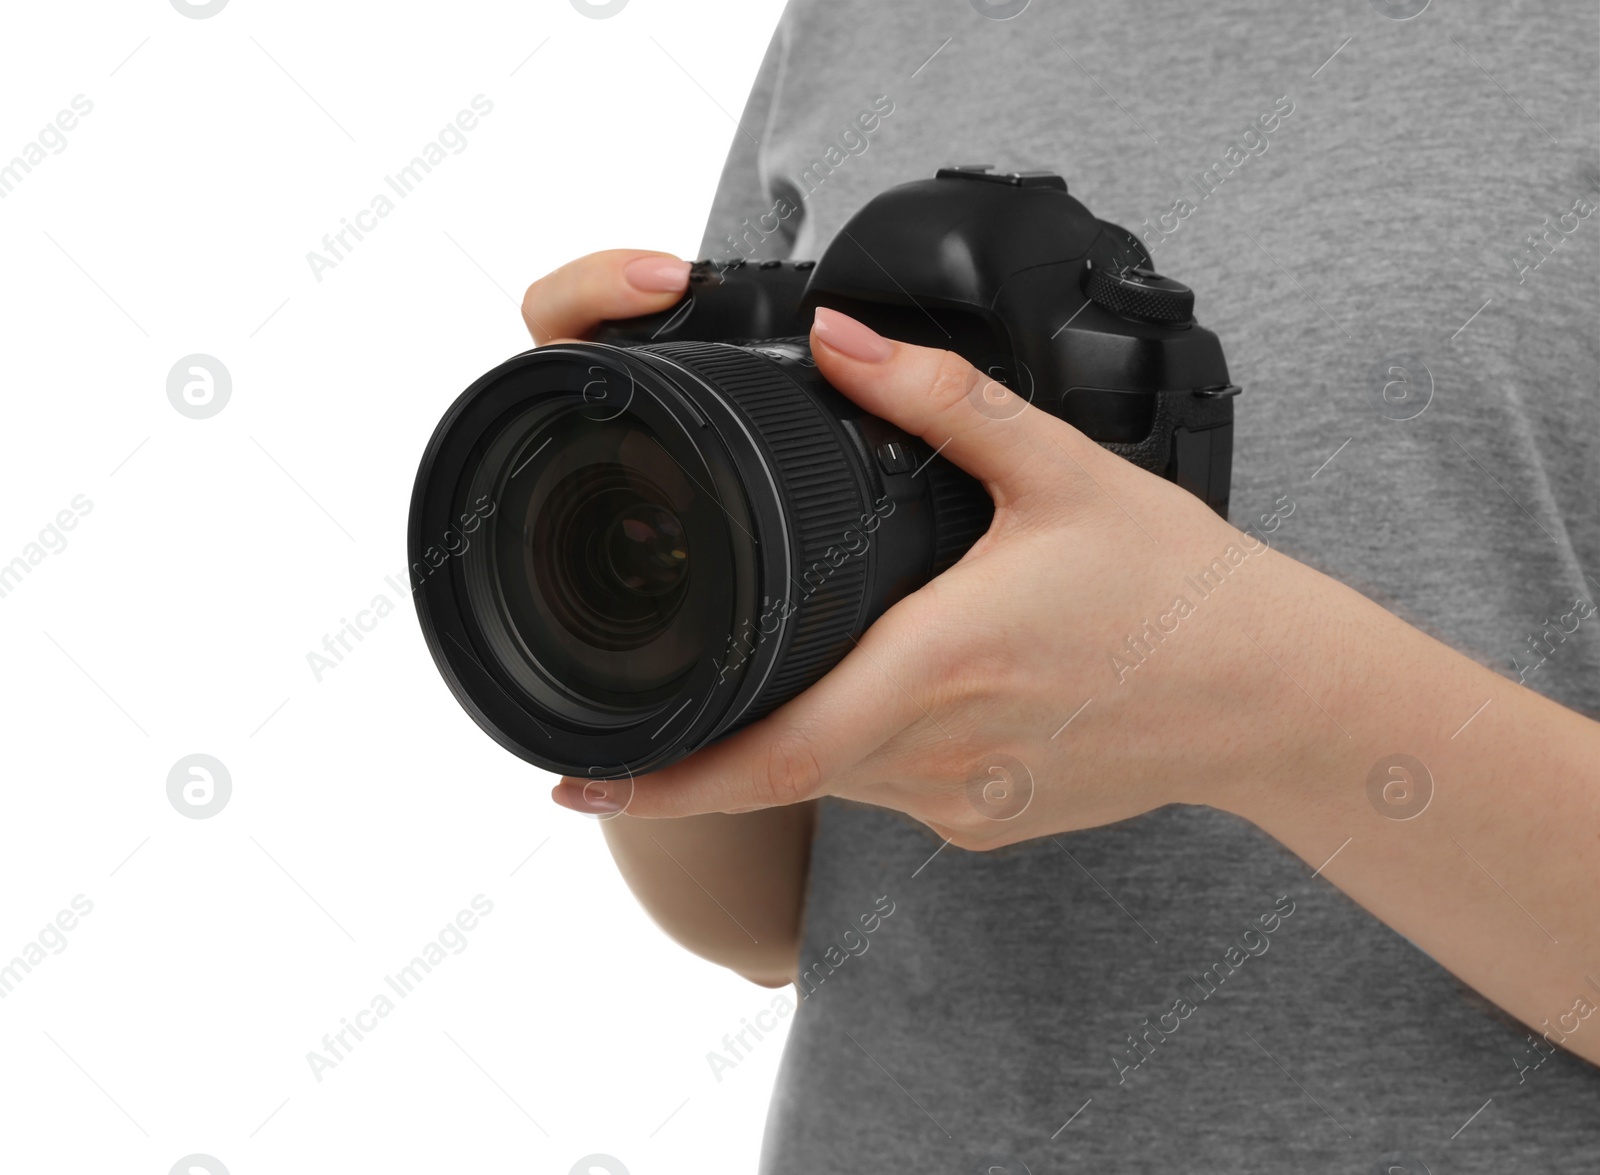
618, 283
979, 424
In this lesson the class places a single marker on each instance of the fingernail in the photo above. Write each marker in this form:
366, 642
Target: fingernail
851, 338
593, 798
657, 275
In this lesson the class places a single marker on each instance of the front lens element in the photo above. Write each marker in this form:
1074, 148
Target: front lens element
585, 587
649, 552
609, 555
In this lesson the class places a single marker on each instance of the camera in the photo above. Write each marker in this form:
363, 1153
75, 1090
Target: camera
680, 525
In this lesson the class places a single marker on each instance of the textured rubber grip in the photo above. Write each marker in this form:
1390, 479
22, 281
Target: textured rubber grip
1174, 410
822, 500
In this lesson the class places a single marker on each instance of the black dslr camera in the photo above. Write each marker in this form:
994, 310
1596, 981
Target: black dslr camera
680, 525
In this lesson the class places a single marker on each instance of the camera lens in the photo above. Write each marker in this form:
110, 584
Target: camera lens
612, 559
647, 550
584, 588
662, 544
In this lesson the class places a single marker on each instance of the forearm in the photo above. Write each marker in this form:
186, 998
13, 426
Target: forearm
730, 888
1497, 877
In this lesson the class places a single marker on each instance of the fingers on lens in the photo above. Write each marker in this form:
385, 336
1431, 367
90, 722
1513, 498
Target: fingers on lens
607, 798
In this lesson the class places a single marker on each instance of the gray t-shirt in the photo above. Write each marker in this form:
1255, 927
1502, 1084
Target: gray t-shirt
1352, 196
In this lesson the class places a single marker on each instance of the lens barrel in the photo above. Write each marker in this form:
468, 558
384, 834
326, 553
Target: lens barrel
620, 554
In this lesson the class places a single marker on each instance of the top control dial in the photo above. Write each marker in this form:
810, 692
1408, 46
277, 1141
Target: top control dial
1142, 294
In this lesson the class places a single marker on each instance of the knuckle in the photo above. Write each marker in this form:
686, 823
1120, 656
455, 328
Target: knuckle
981, 840
967, 840
955, 820
962, 649
953, 381
793, 771
970, 831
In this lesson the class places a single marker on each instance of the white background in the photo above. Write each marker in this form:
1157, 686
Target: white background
366, 809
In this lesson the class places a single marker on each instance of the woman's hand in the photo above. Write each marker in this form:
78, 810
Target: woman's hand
619, 283
1109, 646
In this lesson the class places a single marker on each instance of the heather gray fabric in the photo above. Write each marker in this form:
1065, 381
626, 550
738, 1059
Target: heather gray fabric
1393, 202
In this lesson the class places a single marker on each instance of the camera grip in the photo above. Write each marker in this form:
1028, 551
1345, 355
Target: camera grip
1190, 442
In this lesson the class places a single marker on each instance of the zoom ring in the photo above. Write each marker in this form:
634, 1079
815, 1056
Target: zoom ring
962, 511
823, 499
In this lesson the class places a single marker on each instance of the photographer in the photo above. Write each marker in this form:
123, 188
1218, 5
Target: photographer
1330, 737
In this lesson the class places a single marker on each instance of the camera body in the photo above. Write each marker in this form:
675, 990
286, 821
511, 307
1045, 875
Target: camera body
1016, 276
683, 525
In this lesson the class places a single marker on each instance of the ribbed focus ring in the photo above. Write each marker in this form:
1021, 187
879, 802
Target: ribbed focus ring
962, 511
822, 499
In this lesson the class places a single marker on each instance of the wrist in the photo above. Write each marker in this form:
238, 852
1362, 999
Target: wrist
1319, 660
1366, 710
